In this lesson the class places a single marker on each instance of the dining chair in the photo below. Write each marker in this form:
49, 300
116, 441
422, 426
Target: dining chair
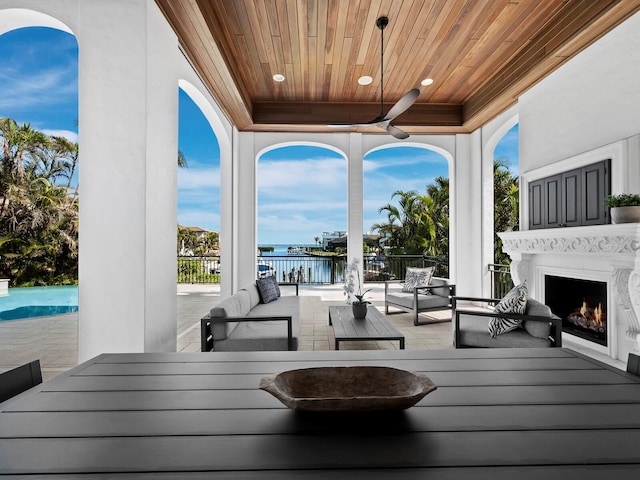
633, 364
19, 379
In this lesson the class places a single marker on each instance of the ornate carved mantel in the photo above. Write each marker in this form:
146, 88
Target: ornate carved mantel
614, 249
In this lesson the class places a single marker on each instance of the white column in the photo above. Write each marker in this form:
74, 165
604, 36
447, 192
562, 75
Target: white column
468, 193
245, 209
128, 110
355, 199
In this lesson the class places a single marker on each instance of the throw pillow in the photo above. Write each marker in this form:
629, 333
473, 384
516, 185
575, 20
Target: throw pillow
268, 288
275, 284
417, 277
513, 302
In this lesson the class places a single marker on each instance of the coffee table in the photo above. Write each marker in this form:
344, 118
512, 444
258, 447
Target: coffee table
373, 327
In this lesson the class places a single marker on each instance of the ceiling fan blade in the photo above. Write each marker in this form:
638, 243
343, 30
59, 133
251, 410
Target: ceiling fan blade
355, 125
352, 125
403, 104
396, 132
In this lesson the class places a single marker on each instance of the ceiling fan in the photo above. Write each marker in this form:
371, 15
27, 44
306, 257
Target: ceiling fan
384, 120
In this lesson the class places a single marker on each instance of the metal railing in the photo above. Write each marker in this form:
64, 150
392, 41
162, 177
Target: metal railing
198, 270
311, 269
394, 267
501, 281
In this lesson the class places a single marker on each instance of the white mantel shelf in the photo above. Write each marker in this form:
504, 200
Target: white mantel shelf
608, 253
619, 241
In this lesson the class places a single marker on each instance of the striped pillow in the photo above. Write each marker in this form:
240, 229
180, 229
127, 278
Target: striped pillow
513, 302
417, 277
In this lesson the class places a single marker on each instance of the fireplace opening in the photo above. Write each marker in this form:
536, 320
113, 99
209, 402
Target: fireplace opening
581, 304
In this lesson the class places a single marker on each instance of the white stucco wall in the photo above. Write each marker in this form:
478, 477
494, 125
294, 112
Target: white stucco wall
129, 70
593, 100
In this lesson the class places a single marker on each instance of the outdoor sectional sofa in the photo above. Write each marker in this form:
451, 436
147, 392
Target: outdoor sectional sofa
243, 322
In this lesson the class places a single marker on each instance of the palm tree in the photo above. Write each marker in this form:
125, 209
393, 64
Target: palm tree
39, 217
506, 205
182, 160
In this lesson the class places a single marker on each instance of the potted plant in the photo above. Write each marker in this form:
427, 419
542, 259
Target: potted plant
353, 292
625, 207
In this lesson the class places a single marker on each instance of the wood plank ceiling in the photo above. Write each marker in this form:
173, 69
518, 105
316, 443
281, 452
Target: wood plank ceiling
481, 55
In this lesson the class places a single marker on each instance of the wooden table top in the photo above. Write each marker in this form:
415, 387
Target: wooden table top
497, 413
374, 327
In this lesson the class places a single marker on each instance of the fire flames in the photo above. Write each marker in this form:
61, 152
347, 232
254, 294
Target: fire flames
589, 318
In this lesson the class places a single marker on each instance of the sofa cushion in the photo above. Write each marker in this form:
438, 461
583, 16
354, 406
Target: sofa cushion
417, 277
473, 333
537, 329
254, 294
424, 301
513, 302
268, 288
237, 305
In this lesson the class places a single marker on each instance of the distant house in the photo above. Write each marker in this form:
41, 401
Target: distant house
329, 237
369, 239
200, 238
200, 232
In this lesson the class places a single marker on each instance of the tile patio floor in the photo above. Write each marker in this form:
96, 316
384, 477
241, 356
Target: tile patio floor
54, 340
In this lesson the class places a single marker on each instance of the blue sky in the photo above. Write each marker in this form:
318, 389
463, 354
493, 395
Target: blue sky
301, 190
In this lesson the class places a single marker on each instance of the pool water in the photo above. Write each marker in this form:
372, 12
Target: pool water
38, 302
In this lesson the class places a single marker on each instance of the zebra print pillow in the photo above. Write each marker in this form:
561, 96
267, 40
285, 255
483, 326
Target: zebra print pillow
513, 302
417, 277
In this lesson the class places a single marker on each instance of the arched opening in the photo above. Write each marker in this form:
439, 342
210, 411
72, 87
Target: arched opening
506, 206
405, 211
38, 188
302, 204
198, 245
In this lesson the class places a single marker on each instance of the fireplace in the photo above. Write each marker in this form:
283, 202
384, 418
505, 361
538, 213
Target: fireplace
582, 305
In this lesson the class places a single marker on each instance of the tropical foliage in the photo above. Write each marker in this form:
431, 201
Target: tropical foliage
194, 243
506, 206
419, 224
38, 207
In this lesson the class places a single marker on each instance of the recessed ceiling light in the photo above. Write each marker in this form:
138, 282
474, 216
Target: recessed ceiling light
278, 77
366, 80
426, 81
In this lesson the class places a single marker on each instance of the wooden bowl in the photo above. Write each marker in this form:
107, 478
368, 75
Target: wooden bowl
336, 389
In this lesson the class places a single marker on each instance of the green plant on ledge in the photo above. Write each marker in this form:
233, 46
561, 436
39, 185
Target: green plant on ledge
622, 200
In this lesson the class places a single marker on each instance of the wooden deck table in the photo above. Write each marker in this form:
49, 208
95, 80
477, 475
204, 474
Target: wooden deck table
374, 326
497, 414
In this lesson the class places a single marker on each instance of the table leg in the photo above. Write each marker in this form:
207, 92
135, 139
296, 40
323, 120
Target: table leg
402, 344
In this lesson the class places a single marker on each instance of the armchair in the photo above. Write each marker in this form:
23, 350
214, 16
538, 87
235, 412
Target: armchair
539, 327
441, 292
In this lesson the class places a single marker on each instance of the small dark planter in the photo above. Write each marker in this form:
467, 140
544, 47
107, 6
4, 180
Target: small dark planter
359, 310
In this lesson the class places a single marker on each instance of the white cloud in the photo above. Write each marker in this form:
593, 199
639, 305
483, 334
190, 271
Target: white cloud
418, 157
27, 89
68, 134
194, 178
273, 175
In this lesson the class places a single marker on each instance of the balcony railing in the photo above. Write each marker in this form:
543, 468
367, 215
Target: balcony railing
501, 281
310, 269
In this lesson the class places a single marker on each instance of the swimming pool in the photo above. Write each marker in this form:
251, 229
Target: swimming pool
38, 302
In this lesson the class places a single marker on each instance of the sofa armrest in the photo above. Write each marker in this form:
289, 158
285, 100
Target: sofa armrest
450, 286
206, 337
455, 299
288, 284
452, 292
